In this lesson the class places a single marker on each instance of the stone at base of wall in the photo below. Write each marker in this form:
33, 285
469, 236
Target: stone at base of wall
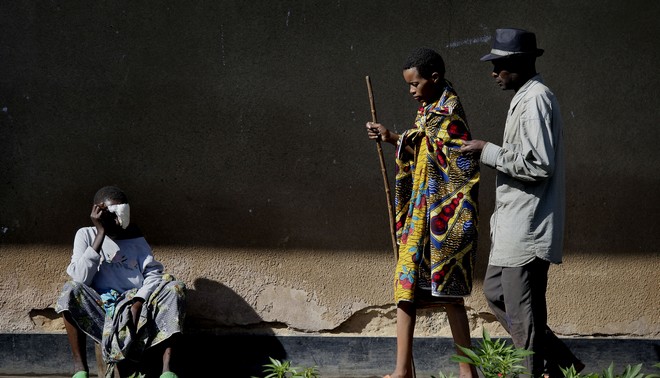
243, 355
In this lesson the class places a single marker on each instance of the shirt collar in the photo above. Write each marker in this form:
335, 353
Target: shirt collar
523, 90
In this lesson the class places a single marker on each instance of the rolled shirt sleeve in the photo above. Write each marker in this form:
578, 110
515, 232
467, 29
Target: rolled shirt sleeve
532, 156
490, 154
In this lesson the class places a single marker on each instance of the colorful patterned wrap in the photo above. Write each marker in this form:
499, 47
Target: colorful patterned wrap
107, 323
436, 204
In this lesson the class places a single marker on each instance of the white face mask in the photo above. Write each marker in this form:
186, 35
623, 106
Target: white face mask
123, 211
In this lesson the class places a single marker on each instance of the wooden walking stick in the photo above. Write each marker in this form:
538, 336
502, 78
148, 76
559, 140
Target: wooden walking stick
386, 182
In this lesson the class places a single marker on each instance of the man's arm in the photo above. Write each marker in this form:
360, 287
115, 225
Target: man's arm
534, 159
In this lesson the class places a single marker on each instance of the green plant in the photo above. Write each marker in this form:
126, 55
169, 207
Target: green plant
310, 372
494, 358
628, 372
570, 372
279, 369
137, 375
442, 375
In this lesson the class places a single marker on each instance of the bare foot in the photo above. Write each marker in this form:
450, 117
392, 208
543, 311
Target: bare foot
467, 370
397, 375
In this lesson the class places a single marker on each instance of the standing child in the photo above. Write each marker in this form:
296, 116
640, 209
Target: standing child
436, 207
118, 294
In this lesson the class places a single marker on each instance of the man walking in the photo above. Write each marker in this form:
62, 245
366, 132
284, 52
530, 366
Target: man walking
527, 225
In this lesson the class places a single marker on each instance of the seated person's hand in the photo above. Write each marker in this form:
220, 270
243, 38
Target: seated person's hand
136, 309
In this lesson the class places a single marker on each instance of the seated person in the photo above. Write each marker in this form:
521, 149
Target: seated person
118, 294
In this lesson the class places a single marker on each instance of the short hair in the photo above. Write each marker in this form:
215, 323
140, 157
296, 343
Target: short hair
110, 193
427, 61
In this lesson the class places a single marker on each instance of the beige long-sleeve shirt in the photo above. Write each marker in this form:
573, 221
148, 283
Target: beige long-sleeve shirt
528, 220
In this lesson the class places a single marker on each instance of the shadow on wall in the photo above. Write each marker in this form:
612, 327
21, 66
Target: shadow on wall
212, 305
219, 338
223, 337
214, 341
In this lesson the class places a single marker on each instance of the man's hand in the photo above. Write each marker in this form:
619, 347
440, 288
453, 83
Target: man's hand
472, 146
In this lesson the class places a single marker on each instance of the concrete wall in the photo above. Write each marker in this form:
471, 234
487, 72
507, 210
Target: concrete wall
237, 130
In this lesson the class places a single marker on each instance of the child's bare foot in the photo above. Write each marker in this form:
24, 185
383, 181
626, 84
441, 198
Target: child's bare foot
466, 370
399, 375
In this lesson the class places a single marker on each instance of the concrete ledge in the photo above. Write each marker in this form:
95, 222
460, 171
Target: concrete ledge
243, 355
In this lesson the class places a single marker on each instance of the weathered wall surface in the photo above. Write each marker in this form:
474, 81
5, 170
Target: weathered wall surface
237, 130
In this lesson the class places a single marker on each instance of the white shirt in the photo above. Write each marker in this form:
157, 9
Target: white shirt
121, 265
528, 220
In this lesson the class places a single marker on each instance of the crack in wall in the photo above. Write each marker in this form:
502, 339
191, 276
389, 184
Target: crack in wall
369, 321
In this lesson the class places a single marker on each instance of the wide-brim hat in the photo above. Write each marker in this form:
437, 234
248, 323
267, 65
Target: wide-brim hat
510, 42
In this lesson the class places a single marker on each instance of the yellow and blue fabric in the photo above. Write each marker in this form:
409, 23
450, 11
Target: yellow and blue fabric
436, 203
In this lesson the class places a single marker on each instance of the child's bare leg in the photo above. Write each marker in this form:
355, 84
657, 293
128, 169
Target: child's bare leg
169, 344
460, 330
78, 343
405, 329
167, 355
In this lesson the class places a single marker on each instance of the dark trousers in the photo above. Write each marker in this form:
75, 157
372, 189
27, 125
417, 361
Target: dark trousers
517, 297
